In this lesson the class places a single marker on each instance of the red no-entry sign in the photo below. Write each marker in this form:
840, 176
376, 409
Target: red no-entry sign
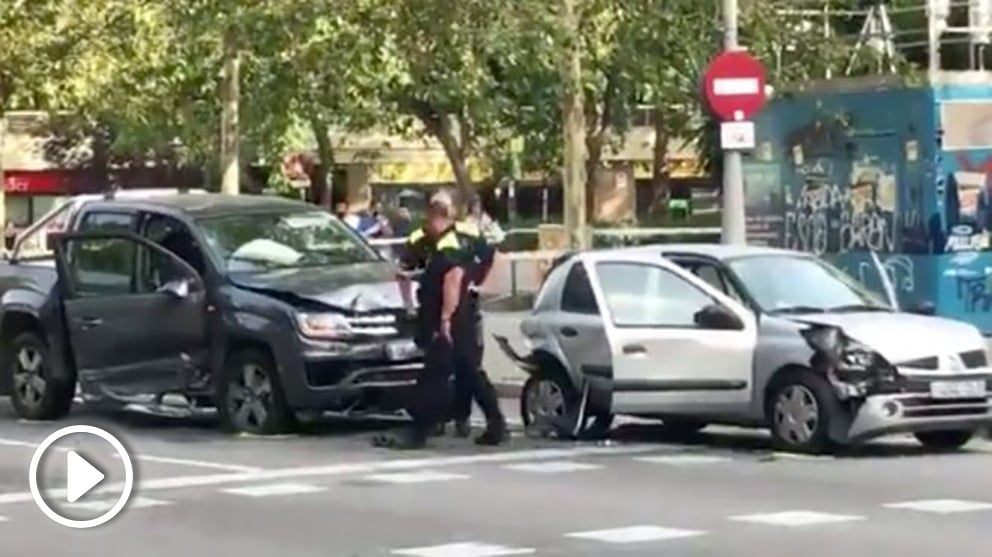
734, 85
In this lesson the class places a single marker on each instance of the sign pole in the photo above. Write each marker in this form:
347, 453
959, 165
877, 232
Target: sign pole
732, 214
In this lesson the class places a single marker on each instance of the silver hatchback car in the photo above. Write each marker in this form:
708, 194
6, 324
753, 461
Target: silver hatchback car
744, 336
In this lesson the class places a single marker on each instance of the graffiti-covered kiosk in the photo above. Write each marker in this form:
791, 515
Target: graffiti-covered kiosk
852, 166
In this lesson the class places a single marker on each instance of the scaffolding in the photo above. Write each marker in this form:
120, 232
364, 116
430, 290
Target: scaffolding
933, 26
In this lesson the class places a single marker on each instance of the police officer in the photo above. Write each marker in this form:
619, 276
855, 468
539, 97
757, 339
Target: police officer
447, 333
470, 380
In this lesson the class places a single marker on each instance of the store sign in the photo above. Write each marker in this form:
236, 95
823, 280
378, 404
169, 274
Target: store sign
41, 182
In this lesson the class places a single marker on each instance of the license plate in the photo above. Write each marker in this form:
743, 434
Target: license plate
958, 389
402, 350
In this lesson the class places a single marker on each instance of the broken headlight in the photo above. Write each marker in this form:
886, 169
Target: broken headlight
846, 359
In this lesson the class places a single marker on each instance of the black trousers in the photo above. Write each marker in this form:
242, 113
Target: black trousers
431, 401
471, 381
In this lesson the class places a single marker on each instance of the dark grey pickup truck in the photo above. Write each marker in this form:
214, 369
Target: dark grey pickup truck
260, 307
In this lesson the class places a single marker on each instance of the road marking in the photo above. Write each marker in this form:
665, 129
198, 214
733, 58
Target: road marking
105, 505
553, 467
274, 489
28, 445
3, 519
796, 518
684, 459
941, 506
148, 458
465, 549
635, 534
196, 463
205, 480
416, 477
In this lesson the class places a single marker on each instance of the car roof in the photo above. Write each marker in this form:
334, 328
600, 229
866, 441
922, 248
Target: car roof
207, 204
720, 252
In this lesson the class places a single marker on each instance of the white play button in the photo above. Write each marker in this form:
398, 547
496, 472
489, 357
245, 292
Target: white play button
81, 477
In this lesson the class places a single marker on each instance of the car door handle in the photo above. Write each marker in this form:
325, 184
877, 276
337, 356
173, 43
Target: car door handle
89, 322
634, 349
569, 332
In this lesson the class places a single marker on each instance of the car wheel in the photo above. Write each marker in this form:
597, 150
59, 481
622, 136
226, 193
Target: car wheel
36, 394
250, 398
549, 406
799, 412
947, 440
683, 427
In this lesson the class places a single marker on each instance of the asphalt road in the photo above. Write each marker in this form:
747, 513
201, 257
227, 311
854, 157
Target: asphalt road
328, 493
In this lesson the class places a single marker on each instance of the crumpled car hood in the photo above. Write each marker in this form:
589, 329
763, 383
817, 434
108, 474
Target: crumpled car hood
900, 337
359, 288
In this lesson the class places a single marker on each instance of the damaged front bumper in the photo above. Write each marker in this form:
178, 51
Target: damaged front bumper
916, 408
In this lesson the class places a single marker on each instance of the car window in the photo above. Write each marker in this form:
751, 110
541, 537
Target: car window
640, 295
577, 295
103, 267
157, 268
713, 276
547, 299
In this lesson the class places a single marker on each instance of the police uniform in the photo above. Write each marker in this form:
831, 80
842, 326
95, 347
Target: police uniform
464, 245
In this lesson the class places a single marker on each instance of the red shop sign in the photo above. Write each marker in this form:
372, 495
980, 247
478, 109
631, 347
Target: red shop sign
40, 182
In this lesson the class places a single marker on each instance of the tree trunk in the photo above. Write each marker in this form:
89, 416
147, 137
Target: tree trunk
575, 180
230, 144
459, 166
659, 160
322, 188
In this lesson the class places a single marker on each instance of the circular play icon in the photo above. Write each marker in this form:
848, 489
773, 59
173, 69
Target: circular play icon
72, 457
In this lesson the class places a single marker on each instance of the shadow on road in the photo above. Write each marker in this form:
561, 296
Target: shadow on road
758, 441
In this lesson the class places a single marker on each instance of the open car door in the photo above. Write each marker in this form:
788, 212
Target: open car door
135, 314
677, 344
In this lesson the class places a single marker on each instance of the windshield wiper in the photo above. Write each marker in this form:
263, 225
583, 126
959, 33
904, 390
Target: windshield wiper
797, 309
851, 308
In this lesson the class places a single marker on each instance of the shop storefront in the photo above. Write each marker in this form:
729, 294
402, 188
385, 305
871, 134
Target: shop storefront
31, 194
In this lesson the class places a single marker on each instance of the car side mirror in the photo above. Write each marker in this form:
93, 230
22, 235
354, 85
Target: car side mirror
716, 316
924, 307
178, 289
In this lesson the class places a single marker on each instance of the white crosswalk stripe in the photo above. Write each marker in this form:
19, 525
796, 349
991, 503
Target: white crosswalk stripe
105, 505
416, 477
269, 490
635, 534
795, 518
941, 506
464, 549
684, 459
552, 467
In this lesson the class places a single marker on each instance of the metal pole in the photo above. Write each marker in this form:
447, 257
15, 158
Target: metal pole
732, 213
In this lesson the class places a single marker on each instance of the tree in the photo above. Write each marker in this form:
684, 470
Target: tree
326, 73
444, 80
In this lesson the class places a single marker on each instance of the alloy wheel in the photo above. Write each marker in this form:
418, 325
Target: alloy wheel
797, 414
29, 381
250, 397
545, 402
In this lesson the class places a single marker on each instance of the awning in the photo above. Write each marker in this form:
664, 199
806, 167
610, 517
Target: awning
427, 172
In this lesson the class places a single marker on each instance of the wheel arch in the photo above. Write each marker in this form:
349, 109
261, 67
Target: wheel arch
776, 378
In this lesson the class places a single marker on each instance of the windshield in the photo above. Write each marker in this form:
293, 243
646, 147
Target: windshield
802, 284
255, 242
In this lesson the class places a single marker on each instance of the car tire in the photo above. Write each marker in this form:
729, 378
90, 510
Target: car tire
682, 427
250, 398
549, 406
945, 440
36, 393
799, 411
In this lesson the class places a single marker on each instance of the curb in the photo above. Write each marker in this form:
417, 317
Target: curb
508, 389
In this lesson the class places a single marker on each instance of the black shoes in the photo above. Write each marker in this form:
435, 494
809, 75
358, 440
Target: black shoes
462, 429
493, 436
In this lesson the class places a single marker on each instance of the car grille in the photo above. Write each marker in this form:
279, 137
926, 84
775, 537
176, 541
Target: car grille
382, 325
971, 359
